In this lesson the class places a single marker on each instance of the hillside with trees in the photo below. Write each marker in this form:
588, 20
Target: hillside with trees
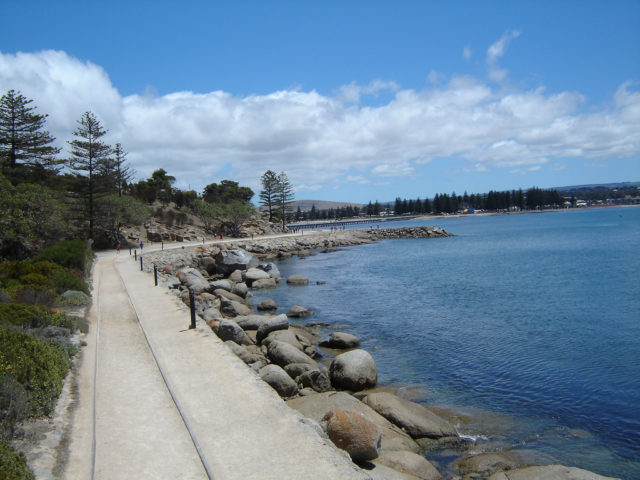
93, 194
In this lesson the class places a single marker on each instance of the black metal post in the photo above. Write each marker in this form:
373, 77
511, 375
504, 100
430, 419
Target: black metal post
192, 305
129, 251
141, 267
162, 244
155, 274
135, 255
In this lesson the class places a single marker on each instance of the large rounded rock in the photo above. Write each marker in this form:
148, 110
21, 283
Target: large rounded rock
240, 289
279, 380
283, 354
354, 370
271, 269
250, 322
279, 322
486, 464
233, 308
211, 313
228, 261
299, 312
254, 274
316, 405
208, 264
548, 472
230, 330
296, 369
286, 336
193, 279
267, 305
342, 341
297, 280
220, 293
264, 283
409, 463
353, 433
221, 284
315, 379
413, 418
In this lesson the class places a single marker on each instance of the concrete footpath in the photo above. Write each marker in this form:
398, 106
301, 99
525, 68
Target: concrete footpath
160, 401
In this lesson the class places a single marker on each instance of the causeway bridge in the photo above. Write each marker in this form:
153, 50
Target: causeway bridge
341, 223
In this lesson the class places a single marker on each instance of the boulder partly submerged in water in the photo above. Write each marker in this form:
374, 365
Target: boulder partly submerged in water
355, 370
413, 418
315, 407
548, 472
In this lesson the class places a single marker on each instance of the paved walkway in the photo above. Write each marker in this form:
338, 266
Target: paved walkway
160, 401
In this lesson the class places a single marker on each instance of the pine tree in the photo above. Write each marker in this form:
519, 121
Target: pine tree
284, 197
269, 192
89, 156
23, 140
122, 173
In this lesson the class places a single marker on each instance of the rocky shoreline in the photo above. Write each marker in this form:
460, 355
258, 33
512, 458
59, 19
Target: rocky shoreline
328, 379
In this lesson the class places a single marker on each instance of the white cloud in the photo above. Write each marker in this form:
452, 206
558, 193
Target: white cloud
466, 53
322, 140
495, 52
352, 92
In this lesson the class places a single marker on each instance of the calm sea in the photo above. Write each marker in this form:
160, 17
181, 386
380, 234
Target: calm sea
526, 326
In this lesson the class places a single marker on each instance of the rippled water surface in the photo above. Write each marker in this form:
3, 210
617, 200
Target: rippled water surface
533, 317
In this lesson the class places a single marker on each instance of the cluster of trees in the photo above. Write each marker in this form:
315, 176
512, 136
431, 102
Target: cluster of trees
46, 205
533, 198
276, 196
91, 193
327, 214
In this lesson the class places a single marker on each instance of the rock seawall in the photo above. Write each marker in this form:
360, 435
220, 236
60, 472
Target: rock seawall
327, 381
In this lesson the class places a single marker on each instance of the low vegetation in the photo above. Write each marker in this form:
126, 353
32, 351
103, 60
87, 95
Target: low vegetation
13, 466
36, 347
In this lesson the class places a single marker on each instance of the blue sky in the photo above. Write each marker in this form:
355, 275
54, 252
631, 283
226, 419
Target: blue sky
355, 101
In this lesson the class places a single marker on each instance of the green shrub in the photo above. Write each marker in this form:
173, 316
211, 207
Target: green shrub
38, 282
13, 465
32, 295
40, 367
63, 280
73, 254
14, 406
32, 316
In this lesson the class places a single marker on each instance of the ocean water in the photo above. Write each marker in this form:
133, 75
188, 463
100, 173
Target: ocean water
525, 326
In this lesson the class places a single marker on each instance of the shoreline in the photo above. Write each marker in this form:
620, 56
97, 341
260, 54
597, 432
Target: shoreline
324, 241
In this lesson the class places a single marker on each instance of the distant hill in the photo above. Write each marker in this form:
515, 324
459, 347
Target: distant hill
305, 205
597, 186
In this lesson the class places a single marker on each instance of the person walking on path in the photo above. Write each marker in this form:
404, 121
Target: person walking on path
118, 247
141, 246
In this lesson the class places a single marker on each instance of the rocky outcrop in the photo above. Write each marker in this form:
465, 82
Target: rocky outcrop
341, 341
409, 463
229, 260
413, 418
297, 280
299, 312
354, 370
193, 279
267, 305
229, 330
280, 322
279, 380
317, 380
283, 354
315, 407
353, 433
548, 472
